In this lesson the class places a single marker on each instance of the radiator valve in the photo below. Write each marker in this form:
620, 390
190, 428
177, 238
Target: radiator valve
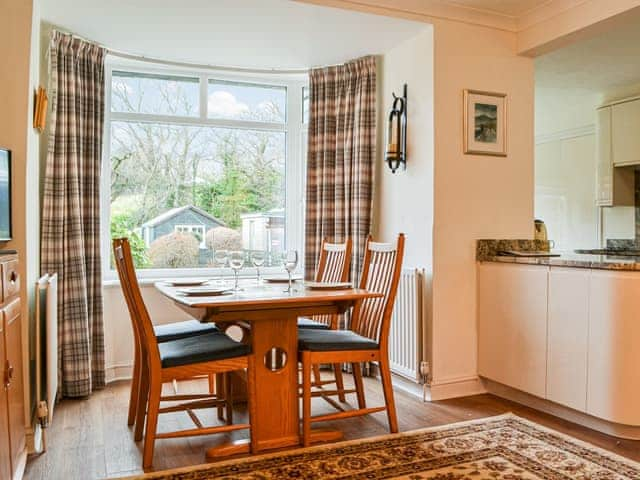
43, 414
425, 371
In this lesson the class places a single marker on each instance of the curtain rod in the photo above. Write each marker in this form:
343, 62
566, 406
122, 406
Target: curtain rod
144, 58
173, 63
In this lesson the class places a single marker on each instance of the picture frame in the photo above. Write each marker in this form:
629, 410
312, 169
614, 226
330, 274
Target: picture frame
6, 230
485, 123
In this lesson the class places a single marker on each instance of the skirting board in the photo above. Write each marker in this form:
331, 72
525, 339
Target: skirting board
114, 373
453, 388
566, 413
34, 438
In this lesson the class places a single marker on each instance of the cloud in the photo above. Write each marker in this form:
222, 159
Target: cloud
226, 105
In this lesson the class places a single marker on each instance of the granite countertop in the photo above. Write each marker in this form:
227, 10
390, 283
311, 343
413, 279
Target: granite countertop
487, 251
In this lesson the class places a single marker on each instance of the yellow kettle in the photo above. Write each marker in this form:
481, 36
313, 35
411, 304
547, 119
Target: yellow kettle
539, 230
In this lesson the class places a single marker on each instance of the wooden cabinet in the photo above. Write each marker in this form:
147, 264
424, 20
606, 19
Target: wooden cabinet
625, 132
614, 356
615, 186
12, 423
5, 447
568, 327
512, 332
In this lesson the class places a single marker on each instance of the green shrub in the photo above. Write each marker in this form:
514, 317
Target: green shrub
223, 238
175, 250
121, 226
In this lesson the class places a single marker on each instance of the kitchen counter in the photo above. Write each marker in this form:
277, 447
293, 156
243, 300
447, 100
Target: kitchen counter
487, 251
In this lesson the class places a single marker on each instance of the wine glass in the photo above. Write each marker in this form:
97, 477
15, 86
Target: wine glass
220, 260
236, 262
257, 258
290, 262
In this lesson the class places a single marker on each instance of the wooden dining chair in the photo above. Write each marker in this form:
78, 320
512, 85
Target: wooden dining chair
165, 333
333, 266
366, 341
181, 359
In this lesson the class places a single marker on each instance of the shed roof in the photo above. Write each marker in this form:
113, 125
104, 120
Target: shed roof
169, 214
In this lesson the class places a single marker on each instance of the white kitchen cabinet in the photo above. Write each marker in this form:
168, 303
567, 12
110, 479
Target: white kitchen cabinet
614, 355
614, 186
604, 163
568, 327
625, 133
512, 328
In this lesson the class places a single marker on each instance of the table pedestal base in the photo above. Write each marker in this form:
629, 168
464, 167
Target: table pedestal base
243, 446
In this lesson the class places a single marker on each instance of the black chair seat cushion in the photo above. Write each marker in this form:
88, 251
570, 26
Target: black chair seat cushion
308, 323
333, 340
184, 329
200, 348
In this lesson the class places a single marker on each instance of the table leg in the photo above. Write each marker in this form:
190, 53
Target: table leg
275, 420
273, 389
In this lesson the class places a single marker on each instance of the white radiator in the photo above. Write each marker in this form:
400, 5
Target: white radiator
406, 337
47, 341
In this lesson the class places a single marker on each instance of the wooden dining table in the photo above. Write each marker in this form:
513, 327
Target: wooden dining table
271, 313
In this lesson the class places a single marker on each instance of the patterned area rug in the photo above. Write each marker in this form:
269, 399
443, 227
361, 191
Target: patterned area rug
498, 448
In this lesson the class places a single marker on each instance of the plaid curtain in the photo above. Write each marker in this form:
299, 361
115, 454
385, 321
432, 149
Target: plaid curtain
71, 210
340, 159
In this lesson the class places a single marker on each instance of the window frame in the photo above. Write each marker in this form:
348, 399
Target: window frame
293, 128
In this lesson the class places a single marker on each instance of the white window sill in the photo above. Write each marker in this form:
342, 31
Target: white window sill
150, 277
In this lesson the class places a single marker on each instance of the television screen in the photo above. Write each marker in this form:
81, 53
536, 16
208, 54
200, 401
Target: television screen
5, 195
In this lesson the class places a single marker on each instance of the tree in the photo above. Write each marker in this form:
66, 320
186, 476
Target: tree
175, 250
122, 227
156, 167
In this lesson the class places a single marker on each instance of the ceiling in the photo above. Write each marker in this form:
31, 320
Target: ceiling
573, 81
511, 8
242, 33
598, 64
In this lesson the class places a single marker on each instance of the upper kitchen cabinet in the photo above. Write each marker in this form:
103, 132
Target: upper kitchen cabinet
625, 133
615, 184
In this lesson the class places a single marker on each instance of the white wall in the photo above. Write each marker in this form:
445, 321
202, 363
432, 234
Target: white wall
118, 335
475, 196
565, 191
404, 200
446, 200
565, 158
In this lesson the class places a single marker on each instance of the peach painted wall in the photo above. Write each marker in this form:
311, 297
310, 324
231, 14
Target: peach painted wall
475, 196
403, 201
16, 104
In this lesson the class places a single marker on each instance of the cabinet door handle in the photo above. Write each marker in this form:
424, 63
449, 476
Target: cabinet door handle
8, 375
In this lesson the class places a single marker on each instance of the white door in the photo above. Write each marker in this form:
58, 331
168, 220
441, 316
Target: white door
614, 355
512, 325
568, 323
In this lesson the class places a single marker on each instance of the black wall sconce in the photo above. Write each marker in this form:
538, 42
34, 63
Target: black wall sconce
397, 133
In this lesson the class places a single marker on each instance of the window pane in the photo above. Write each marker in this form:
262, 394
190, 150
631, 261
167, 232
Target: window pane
157, 94
172, 184
246, 101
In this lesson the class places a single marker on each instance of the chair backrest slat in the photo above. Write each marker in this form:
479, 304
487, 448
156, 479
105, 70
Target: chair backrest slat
333, 266
334, 262
380, 273
140, 320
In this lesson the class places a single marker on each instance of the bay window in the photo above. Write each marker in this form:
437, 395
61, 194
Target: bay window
199, 161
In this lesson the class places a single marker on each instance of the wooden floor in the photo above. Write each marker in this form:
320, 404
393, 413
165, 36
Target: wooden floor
89, 439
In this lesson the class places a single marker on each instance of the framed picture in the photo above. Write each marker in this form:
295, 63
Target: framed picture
485, 123
5, 195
